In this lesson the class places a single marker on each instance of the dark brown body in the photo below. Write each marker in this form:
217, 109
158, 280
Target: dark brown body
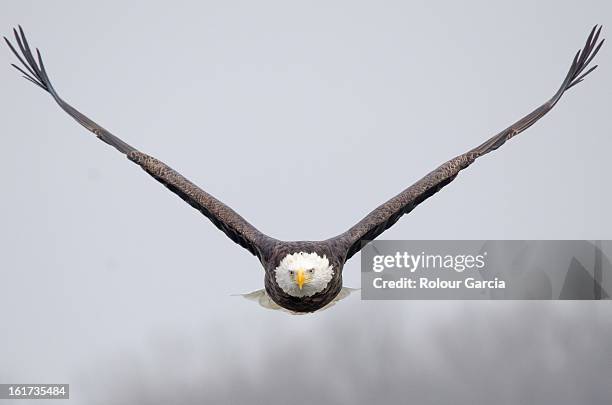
303, 304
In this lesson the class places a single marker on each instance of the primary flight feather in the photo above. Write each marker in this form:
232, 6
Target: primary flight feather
303, 276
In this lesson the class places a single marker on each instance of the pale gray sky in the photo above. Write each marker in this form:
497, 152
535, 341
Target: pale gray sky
303, 116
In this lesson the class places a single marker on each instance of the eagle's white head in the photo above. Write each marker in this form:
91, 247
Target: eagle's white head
303, 274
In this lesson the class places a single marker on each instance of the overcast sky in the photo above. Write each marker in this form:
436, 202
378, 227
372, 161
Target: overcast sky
302, 116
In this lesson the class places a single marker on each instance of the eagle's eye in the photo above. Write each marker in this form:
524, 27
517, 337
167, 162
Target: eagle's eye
291, 272
310, 271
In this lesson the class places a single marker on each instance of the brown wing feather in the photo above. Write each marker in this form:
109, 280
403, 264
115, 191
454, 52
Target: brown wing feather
383, 217
224, 218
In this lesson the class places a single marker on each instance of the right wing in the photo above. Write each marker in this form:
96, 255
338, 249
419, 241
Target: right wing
387, 214
224, 218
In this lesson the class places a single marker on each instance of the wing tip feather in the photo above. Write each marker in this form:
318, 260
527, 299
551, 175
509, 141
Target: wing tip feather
37, 73
583, 58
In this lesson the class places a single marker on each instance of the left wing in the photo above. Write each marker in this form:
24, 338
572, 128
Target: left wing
383, 217
222, 216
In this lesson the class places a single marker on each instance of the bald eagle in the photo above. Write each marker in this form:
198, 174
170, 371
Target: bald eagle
302, 276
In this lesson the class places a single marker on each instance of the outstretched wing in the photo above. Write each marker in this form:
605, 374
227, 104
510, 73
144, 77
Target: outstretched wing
226, 219
383, 217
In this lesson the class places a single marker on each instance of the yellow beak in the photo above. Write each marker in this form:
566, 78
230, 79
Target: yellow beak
299, 277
